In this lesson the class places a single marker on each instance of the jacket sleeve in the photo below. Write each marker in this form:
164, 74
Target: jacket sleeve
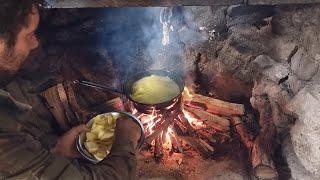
23, 157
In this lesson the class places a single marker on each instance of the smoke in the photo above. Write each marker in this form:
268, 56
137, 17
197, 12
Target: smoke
149, 38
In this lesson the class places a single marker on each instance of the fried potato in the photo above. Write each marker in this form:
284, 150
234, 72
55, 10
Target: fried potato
100, 155
91, 136
101, 136
91, 146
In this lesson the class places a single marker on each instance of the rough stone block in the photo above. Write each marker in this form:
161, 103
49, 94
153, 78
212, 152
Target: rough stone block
295, 84
197, 17
270, 69
274, 2
282, 49
305, 133
298, 171
239, 10
277, 72
303, 66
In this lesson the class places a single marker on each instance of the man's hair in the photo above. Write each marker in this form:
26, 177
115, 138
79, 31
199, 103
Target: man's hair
13, 17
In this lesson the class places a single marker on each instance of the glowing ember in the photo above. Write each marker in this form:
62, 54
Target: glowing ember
154, 120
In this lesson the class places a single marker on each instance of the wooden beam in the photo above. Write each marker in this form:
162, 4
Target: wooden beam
135, 3
163, 3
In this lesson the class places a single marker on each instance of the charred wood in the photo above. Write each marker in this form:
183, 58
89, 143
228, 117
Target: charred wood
158, 149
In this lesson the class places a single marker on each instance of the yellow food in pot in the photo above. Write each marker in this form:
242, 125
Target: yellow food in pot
154, 89
101, 136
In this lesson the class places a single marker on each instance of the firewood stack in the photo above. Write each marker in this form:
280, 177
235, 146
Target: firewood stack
200, 114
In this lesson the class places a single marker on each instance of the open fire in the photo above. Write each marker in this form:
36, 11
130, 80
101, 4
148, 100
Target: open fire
191, 119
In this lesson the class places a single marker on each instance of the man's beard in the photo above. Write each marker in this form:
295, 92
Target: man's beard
10, 63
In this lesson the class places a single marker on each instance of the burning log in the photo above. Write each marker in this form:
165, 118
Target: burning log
178, 126
176, 145
164, 135
184, 121
210, 148
205, 149
158, 149
157, 132
216, 122
215, 106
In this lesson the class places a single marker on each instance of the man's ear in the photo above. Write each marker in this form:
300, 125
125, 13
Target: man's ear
35, 9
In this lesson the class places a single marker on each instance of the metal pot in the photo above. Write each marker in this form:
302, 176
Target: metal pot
127, 89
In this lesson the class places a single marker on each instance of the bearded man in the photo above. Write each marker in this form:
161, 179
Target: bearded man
29, 148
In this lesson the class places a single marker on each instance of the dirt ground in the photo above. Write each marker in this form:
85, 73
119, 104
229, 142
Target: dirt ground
190, 165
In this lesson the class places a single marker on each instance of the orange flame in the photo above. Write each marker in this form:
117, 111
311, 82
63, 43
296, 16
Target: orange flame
152, 119
195, 123
187, 96
168, 143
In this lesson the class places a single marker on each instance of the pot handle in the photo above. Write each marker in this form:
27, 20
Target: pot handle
98, 86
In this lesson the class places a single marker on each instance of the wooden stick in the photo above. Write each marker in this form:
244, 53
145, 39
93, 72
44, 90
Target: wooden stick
217, 122
56, 107
206, 145
186, 124
115, 103
208, 136
215, 106
263, 167
164, 135
245, 137
158, 130
261, 161
158, 149
176, 145
64, 100
263, 146
179, 128
74, 104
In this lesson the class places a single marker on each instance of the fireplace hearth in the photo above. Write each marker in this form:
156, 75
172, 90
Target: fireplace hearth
251, 104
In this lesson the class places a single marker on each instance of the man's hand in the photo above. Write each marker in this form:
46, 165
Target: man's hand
126, 130
66, 144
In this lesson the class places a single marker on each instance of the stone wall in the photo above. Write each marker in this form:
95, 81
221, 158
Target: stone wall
236, 53
275, 50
